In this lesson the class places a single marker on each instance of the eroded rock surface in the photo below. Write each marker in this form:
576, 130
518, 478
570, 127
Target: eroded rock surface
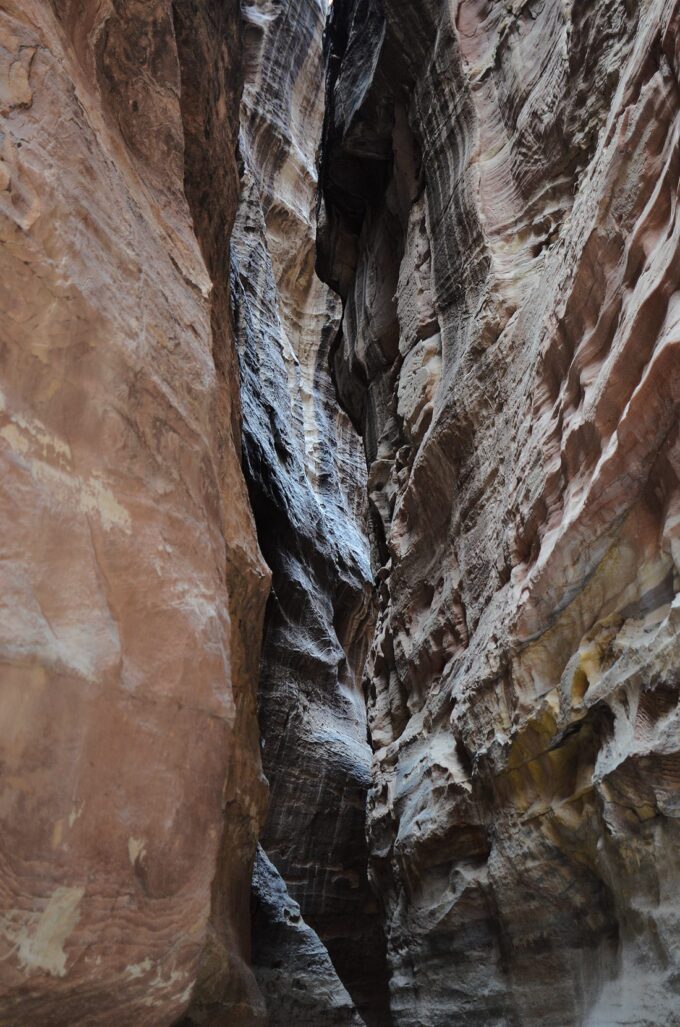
306, 474
500, 189
498, 232
292, 966
132, 585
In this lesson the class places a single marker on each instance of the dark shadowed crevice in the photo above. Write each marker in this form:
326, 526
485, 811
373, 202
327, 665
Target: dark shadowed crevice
316, 629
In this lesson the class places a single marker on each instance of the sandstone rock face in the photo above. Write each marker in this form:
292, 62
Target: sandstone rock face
306, 474
132, 585
498, 234
499, 214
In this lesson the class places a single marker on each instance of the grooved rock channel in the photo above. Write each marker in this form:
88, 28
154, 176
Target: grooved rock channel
306, 474
340, 549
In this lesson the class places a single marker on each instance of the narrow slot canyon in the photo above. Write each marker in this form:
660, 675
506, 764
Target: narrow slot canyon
339, 637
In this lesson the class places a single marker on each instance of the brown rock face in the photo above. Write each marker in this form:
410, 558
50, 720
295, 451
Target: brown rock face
132, 585
499, 214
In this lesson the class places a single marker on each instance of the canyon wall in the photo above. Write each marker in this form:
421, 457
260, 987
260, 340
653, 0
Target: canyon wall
134, 586
499, 214
133, 590
460, 461
306, 475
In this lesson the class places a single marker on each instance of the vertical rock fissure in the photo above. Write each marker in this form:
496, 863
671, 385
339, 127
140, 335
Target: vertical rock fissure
461, 439
306, 477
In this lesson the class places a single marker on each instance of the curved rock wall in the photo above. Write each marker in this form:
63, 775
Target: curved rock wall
306, 474
499, 214
132, 586
296, 976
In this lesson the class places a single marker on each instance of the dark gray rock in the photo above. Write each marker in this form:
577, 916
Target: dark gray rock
292, 967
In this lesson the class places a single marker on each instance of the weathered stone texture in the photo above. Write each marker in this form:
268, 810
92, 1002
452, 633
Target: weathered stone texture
293, 968
306, 473
498, 234
132, 585
500, 187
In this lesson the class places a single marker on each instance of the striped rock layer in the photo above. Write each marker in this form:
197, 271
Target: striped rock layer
500, 216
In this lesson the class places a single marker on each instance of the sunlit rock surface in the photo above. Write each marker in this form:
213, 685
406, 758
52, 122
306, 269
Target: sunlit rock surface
132, 586
307, 479
500, 189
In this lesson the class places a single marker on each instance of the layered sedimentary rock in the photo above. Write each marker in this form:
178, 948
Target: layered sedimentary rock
132, 585
499, 214
306, 475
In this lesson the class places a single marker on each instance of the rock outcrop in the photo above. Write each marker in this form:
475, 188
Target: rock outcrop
132, 586
499, 214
